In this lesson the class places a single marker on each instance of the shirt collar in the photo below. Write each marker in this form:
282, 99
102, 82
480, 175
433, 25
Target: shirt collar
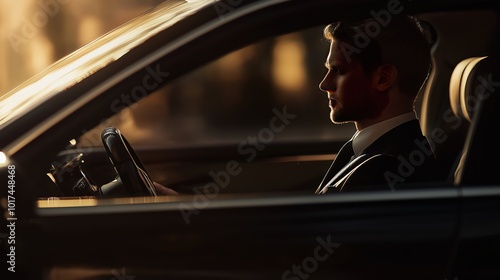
365, 137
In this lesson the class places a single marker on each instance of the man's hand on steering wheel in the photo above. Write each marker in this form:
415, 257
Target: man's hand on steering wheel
129, 167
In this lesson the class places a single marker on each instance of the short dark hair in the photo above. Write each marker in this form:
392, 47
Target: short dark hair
401, 42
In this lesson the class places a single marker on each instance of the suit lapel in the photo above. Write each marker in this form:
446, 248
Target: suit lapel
337, 181
389, 143
341, 160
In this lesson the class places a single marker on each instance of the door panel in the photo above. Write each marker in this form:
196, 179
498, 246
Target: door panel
348, 236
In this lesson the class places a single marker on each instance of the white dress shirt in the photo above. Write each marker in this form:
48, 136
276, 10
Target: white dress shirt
365, 137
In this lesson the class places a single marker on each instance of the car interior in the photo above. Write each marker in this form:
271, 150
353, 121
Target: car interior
472, 98
182, 133
462, 72
257, 103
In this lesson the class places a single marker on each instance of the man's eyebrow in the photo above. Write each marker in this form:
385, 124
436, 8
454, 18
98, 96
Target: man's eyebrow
327, 65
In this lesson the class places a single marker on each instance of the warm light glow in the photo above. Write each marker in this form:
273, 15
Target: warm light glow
37, 61
90, 58
71, 202
3, 158
288, 65
89, 29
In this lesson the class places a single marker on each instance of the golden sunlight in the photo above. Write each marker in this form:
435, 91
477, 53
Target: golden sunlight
288, 68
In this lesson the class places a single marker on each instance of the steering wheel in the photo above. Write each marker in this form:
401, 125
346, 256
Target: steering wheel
127, 164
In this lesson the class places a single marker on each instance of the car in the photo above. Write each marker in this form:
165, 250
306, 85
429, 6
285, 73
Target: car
209, 98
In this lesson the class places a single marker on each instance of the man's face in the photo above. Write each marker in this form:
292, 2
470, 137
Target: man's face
348, 87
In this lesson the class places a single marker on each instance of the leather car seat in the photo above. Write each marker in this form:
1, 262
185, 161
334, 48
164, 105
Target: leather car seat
474, 90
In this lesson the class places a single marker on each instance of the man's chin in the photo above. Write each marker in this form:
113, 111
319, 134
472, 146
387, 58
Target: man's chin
337, 120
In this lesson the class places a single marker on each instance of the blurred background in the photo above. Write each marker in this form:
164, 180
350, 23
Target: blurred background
225, 101
36, 33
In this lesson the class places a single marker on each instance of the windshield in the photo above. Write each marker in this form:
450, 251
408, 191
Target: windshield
92, 57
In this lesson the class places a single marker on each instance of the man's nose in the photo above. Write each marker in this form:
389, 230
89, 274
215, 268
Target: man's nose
326, 84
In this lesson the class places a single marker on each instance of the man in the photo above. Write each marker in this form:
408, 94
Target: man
373, 80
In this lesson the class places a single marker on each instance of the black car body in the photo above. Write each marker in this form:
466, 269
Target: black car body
269, 224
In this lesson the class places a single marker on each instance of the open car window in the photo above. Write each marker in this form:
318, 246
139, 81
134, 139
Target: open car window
259, 105
234, 98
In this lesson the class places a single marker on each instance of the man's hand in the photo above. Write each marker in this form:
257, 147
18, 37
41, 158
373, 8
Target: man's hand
162, 190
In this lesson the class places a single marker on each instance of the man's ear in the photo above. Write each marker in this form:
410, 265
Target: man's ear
385, 76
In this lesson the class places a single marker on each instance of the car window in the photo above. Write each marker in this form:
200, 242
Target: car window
237, 96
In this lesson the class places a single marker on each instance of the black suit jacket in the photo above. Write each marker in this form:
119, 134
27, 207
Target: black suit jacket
401, 155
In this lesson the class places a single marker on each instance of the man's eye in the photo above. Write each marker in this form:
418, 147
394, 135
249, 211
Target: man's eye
337, 70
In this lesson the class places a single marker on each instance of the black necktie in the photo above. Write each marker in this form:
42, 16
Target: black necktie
342, 159
344, 156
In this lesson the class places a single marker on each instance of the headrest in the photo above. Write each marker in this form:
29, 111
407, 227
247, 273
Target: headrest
468, 84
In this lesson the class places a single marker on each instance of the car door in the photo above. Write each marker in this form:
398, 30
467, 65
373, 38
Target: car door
213, 235
356, 236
